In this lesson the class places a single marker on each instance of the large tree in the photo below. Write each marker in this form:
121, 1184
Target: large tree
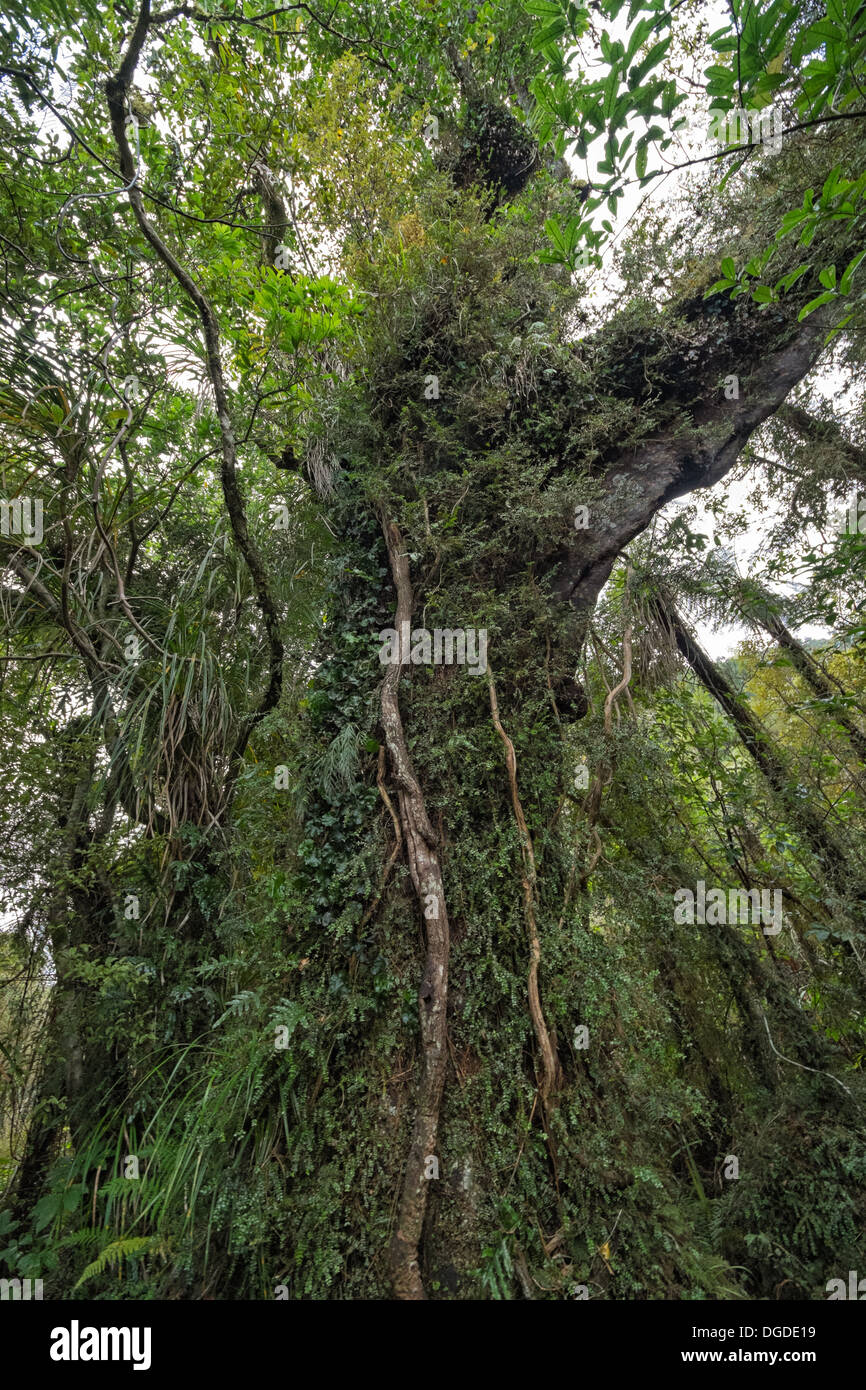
373, 969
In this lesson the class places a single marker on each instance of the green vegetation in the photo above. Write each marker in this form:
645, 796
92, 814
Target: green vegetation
355, 981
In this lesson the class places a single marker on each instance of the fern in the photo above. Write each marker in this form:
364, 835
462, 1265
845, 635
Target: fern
240, 1004
86, 1236
497, 1270
116, 1252
338, 765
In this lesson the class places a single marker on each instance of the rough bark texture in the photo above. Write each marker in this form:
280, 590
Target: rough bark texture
426, 876
693, 453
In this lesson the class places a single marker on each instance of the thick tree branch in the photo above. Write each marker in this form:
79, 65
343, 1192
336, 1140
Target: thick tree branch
696, 451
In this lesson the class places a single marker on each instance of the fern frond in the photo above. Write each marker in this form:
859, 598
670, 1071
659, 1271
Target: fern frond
116, 1252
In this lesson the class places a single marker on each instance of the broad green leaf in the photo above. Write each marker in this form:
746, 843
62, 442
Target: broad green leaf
815, 304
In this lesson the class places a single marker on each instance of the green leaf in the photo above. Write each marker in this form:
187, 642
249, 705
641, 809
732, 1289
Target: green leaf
830, 185
47, 1209
791, 220
611, 87
552, 31
792, 277
652, 60
828, 277
639, 36
815, 304
118, 1251
542, 9
718, 287
848, 273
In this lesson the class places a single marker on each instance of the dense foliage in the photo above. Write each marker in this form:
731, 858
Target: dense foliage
324, 978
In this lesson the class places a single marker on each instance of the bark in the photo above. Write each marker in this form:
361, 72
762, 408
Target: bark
696, 450
42, 1142
426, 874
604, 773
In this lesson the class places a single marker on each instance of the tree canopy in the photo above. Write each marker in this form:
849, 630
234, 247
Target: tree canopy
434, 450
